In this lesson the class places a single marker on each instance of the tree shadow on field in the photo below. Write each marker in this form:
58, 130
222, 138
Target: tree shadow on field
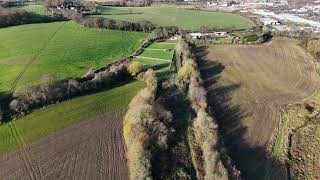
251, 160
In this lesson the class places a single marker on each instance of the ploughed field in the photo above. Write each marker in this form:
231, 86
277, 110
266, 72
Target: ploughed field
60, 49
187, 19
79, 138
248, 85
93, 149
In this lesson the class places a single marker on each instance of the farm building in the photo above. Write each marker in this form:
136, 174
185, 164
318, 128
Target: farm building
175, 37
269, 21
208, 35
197, 35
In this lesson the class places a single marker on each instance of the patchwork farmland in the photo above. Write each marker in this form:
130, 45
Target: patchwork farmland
248, 86
100, 91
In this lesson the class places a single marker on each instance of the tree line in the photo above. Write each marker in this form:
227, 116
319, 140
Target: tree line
203, 131
105, 23
52, 91
15, 16
145, 128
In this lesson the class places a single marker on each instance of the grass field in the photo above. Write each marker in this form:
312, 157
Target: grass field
61, 49
157, 58
35, 8
183, 18
248, 85
50, 119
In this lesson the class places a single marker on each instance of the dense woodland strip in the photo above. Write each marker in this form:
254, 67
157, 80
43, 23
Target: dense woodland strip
203, 133
145, 128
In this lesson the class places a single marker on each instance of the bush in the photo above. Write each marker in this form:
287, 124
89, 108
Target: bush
135, 68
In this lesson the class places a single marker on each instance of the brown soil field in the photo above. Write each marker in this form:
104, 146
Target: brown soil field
92, 149
247, 86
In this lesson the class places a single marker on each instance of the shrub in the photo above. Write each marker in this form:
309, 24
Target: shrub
135, 68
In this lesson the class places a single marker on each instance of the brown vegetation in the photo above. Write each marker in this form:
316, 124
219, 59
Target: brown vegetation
145, 128
203, 132
52, 91
135, 68
313, 47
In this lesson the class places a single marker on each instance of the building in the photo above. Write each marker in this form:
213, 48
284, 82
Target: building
197, 35
269, 21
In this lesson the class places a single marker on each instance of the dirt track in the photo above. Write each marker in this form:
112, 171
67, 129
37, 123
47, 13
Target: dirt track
248, 85
93, 149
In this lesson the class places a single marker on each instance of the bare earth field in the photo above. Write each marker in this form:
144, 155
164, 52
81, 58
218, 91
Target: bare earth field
248, 85
92, 149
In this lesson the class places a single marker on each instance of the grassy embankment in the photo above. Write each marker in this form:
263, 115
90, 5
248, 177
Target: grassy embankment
176, 17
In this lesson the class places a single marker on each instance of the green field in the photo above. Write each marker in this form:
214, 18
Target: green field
156, 50
184, 18
35, 8
54, 117
160, 54
61, 49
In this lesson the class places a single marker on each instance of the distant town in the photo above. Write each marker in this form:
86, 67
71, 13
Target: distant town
278, 15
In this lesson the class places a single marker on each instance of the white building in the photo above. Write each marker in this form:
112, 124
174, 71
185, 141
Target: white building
269, 21
197, 35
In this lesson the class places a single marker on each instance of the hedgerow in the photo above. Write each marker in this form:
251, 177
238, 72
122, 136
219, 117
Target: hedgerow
52, 91
203, 132
145, 128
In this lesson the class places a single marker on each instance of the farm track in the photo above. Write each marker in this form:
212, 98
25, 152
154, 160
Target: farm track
93, 149
32, 168
249, 85
35, 57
